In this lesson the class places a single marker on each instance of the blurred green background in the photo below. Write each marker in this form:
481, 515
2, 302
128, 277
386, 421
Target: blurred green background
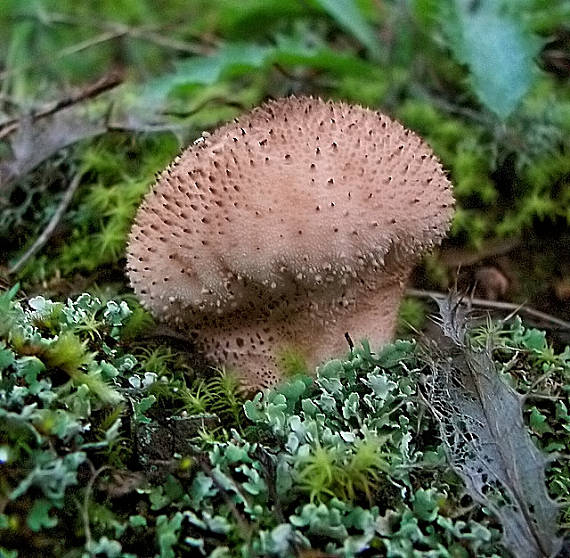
107, 92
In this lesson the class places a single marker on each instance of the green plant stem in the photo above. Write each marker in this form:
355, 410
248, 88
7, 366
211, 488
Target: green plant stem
85, 506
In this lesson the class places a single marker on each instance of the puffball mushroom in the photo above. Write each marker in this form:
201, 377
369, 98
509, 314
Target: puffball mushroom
286, 229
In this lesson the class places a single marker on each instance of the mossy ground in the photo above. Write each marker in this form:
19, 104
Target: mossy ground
113, 449
110, 430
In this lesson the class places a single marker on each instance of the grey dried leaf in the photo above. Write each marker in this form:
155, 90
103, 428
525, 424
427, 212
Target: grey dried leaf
33, 143
481, 424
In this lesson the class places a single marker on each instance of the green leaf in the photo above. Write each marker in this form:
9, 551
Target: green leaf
361, 519
425, 504
292, 391
534, 339
202, 488
142, 407
172, 488
351, 406
232, 454
279, 539
30, 367
331, 369
538, 422
218, 524
391, 355
321, 521
348, 15
6, 357
39, 517
255, 485
58, 423
381, 385
251, 408
196, 543
496, 48
309, 408
158, 498
167, 533
52, 476
137, 521
235, 58
304, 48
6, 299
104, 547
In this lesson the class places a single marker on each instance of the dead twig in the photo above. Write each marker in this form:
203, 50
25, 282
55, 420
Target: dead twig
452, 108
494, 305
73, 49
463, 257
150, 33
48, 231
92, 90
217, 100
66, 128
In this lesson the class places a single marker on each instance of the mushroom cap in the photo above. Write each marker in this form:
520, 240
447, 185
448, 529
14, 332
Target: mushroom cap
298, 198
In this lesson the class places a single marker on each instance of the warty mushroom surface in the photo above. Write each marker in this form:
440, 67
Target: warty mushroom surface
288, 227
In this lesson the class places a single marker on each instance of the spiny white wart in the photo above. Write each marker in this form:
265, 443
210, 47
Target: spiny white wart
286, 228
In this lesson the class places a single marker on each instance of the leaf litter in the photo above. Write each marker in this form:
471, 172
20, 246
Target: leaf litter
480, 419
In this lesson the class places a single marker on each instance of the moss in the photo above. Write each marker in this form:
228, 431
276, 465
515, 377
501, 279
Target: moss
292, 362
117, 173
471, 176
495, 199
140, 321
411, 315
368, 90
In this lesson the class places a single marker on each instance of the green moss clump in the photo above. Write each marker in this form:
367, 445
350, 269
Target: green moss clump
292, 362
115, 178
411, 315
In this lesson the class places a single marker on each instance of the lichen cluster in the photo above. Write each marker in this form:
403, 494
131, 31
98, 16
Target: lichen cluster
109, 454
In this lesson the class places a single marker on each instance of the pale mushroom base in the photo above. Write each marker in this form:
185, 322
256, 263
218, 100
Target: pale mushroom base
317, 332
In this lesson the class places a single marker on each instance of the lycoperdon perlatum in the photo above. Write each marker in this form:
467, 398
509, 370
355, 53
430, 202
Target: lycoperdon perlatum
287, 228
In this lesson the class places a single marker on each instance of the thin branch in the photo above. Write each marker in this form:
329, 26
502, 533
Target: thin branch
456, 257
449, 107
73, 49
48, 231
167, 42
221, 100
494, 305
92, 90
543, 396
150, 33
539, 380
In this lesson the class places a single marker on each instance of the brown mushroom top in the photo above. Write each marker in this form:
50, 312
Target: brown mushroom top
294, 196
